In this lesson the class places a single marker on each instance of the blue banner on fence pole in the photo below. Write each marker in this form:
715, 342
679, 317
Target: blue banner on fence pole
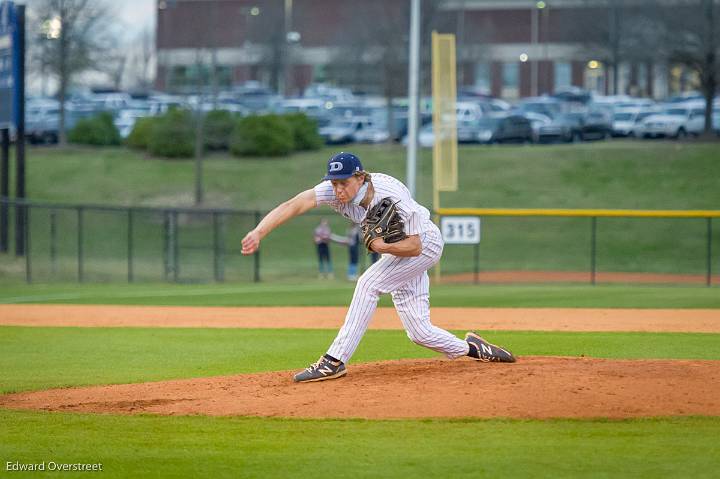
9, 66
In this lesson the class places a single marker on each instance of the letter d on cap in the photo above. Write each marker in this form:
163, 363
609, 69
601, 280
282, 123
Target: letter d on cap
335, 166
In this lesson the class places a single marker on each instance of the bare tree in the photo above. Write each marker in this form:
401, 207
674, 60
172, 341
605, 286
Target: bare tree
77, 34
373, 51
615, 32
115, 66
143, 55
265, 34
692, 38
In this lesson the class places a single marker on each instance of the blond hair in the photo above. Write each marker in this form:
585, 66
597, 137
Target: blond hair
366, 176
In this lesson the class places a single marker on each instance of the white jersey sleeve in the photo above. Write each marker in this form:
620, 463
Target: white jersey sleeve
325, 195
413, 215
410, 218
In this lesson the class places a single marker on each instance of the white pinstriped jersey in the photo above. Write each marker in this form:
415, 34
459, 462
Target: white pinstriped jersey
415, 216
405, 278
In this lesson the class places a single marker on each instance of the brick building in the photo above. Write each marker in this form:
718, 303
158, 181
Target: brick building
508, 48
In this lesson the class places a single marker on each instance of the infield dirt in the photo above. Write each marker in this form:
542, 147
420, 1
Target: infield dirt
534, 387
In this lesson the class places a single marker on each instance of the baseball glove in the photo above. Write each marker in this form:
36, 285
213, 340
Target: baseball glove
383, 221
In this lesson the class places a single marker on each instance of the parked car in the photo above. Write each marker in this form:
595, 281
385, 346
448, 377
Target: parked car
328, 92
350, 109
42, 121
467, 130
596, 125
309, 106
482, 105
547, 106
675, 122
495, 105
580, 126
537, 120
692, 95
505, 129
112, 101
255, 97
564, 128
468, 111
372, 134
343, 130
378, 131
573, 95
637, 103
626, 121
160, 104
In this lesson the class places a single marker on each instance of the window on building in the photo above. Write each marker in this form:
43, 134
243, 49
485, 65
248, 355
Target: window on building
482, 77
510, 80
563, 75
319, 74
187, 78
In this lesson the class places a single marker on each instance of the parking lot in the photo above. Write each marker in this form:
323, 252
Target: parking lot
568, 116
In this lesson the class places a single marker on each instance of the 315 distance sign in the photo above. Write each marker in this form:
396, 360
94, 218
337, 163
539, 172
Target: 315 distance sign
460, 229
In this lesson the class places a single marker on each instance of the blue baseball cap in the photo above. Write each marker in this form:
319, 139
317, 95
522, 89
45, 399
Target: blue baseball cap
342, 166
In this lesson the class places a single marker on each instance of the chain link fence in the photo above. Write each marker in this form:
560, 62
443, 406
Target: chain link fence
90, 243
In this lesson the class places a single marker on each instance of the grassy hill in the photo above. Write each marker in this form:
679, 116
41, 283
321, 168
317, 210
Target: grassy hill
651, 175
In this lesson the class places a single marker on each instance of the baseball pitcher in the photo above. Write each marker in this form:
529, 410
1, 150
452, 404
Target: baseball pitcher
398, 228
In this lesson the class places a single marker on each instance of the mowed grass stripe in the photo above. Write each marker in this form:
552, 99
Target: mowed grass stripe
150, 446
41, 358
321, 293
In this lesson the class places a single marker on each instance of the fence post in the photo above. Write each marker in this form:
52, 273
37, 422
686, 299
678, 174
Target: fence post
709, 252
476, 277
256, 256
28, 264
218, 247
175, 249
130, 272
593, 249
166, 245
4, 189
53, 241
80, 243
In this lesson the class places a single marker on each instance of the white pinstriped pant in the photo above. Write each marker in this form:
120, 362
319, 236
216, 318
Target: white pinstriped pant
407, 280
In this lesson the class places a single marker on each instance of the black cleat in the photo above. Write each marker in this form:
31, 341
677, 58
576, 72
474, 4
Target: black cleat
481, 350
321, 370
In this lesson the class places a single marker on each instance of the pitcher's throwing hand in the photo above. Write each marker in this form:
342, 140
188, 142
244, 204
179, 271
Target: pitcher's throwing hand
251, 242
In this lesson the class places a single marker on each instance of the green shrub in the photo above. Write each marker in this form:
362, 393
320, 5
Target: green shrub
98, 130
305, 131
139, 137
173, 135
267, 135
217, 129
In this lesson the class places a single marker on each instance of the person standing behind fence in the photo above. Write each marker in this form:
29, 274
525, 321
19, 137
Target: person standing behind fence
321, 236
352, 240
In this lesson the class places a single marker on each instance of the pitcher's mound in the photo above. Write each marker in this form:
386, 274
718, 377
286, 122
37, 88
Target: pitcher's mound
534, 387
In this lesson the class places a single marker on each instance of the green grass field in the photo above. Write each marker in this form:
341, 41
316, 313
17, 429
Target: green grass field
145, 446
130, 446
328, 293
648, 175
36, 358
